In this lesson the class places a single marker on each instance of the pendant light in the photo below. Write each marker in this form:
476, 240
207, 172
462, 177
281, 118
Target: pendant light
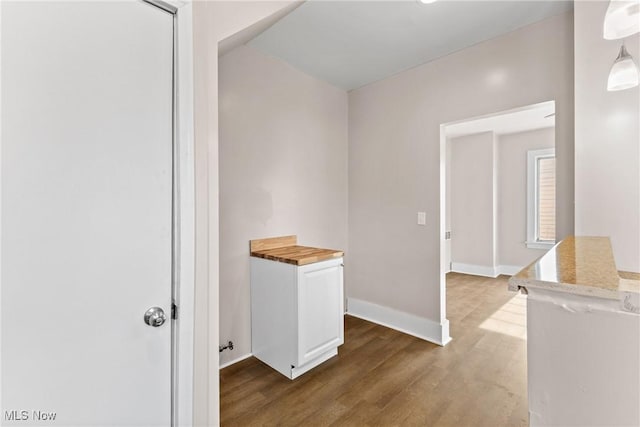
624, 72
622, 19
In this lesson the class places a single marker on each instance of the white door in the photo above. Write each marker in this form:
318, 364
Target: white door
320, 309
86, 221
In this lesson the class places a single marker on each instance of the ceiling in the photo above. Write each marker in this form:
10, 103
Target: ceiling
353, 43
538, 116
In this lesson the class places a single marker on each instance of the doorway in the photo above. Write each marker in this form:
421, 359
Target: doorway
497, 204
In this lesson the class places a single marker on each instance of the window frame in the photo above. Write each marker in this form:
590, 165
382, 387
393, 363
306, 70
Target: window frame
533, 242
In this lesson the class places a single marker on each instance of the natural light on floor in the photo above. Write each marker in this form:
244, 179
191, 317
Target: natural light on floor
510, 319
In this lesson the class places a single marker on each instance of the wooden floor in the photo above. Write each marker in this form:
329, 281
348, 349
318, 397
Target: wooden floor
382, 377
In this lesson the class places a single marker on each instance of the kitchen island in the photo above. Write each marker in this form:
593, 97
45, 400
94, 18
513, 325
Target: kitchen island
583, 336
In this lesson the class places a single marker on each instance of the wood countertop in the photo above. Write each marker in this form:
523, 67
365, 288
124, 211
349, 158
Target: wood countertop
577, 265
285, 249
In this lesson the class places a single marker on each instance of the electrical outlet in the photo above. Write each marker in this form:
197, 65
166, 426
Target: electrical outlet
422, 218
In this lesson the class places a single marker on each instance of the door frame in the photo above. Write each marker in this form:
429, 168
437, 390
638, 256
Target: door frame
184, 212
182, 328
444, 166
183, 216
183, 388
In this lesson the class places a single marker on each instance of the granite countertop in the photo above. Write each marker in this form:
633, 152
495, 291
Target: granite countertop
580, 266
285, 249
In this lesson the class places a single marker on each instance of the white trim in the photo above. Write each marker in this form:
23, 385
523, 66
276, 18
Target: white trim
183, 387
442, 277
532, 200
509, 270
529, 107
539, 245
426, 329
484, 271
236, 360
475, 270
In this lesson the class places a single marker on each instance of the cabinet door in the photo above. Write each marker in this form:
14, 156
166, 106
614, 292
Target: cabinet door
320, 309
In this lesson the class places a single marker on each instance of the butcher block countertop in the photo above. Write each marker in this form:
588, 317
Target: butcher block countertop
285, 249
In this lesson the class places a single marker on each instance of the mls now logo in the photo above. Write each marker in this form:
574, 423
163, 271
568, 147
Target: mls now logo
24, 415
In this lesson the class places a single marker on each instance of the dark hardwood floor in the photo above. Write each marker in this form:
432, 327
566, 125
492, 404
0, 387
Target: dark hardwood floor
382, 377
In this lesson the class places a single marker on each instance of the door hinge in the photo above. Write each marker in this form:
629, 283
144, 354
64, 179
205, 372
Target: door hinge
174, 311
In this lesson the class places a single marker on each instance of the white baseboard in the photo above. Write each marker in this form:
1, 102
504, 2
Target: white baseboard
509, 270
407, 323
476, 270
484, 271
236, 360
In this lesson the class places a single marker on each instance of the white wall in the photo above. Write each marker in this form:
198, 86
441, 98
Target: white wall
488, 192
607, 150
212, 22
472, 202
283, 171
512, 190
394, 158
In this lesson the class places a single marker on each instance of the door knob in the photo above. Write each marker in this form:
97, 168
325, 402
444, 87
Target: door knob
155, 317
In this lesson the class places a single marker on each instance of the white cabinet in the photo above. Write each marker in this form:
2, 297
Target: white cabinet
297, 313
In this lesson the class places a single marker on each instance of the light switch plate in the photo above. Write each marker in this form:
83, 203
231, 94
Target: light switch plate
422, 218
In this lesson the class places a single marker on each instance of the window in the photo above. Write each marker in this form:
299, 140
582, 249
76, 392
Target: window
541, 198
